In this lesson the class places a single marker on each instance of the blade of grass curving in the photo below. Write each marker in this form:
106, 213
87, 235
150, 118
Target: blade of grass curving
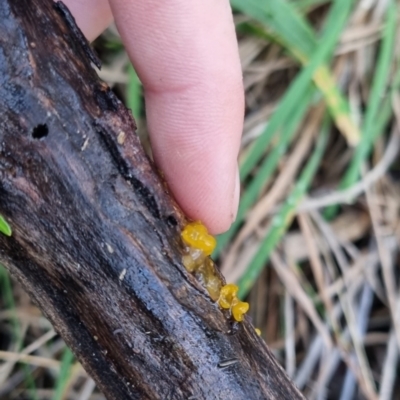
294, 95
65, 373
4, 227
283, 19
134, 93
266, 170
375, 98
293, 32
282, 220
293, 98
337, 105
371, 128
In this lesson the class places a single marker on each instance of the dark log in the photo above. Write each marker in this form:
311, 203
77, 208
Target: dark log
96, 236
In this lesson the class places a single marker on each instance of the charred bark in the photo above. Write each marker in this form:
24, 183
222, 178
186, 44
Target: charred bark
96, 236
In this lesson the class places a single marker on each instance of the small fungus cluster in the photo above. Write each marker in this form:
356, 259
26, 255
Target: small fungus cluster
228, 300
200, 245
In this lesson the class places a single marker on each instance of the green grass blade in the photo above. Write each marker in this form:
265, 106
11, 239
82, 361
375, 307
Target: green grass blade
283, 219
375, 98
373, 123
283, 19
4, 227
295, 94
289, 105
65, 373
266, 171
294, 32
134, 93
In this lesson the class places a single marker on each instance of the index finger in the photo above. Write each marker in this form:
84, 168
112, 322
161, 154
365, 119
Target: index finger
186, 55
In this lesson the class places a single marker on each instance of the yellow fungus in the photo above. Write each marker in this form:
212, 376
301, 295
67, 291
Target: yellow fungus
201, 244
258, 331
239, 308
195, 234
227, 295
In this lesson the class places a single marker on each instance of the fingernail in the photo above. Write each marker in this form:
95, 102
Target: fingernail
236, 196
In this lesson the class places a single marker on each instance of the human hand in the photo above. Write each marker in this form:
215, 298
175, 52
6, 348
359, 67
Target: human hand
186, 56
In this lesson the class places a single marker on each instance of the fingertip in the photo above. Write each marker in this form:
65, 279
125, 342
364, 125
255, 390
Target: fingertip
92, 16
226, 219
187, 58
225, 216
206, 195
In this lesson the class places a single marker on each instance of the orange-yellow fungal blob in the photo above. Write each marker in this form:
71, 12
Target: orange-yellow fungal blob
228, 300
195, 259
199, 246
227, 295
258, 331
239, 308
195, 234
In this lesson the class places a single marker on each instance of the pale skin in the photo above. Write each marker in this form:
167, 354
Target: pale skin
185, 53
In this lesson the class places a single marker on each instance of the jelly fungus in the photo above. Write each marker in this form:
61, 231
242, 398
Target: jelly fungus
227, 295
199, 245
228, 300
239, 308
195, 235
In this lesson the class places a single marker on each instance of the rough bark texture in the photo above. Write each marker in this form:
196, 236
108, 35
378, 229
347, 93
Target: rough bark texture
96, 237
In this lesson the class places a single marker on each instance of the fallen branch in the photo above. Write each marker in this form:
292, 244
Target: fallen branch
95, 235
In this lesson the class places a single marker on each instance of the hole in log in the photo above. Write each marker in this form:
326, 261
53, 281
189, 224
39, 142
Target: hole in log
171, 221
40, 131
